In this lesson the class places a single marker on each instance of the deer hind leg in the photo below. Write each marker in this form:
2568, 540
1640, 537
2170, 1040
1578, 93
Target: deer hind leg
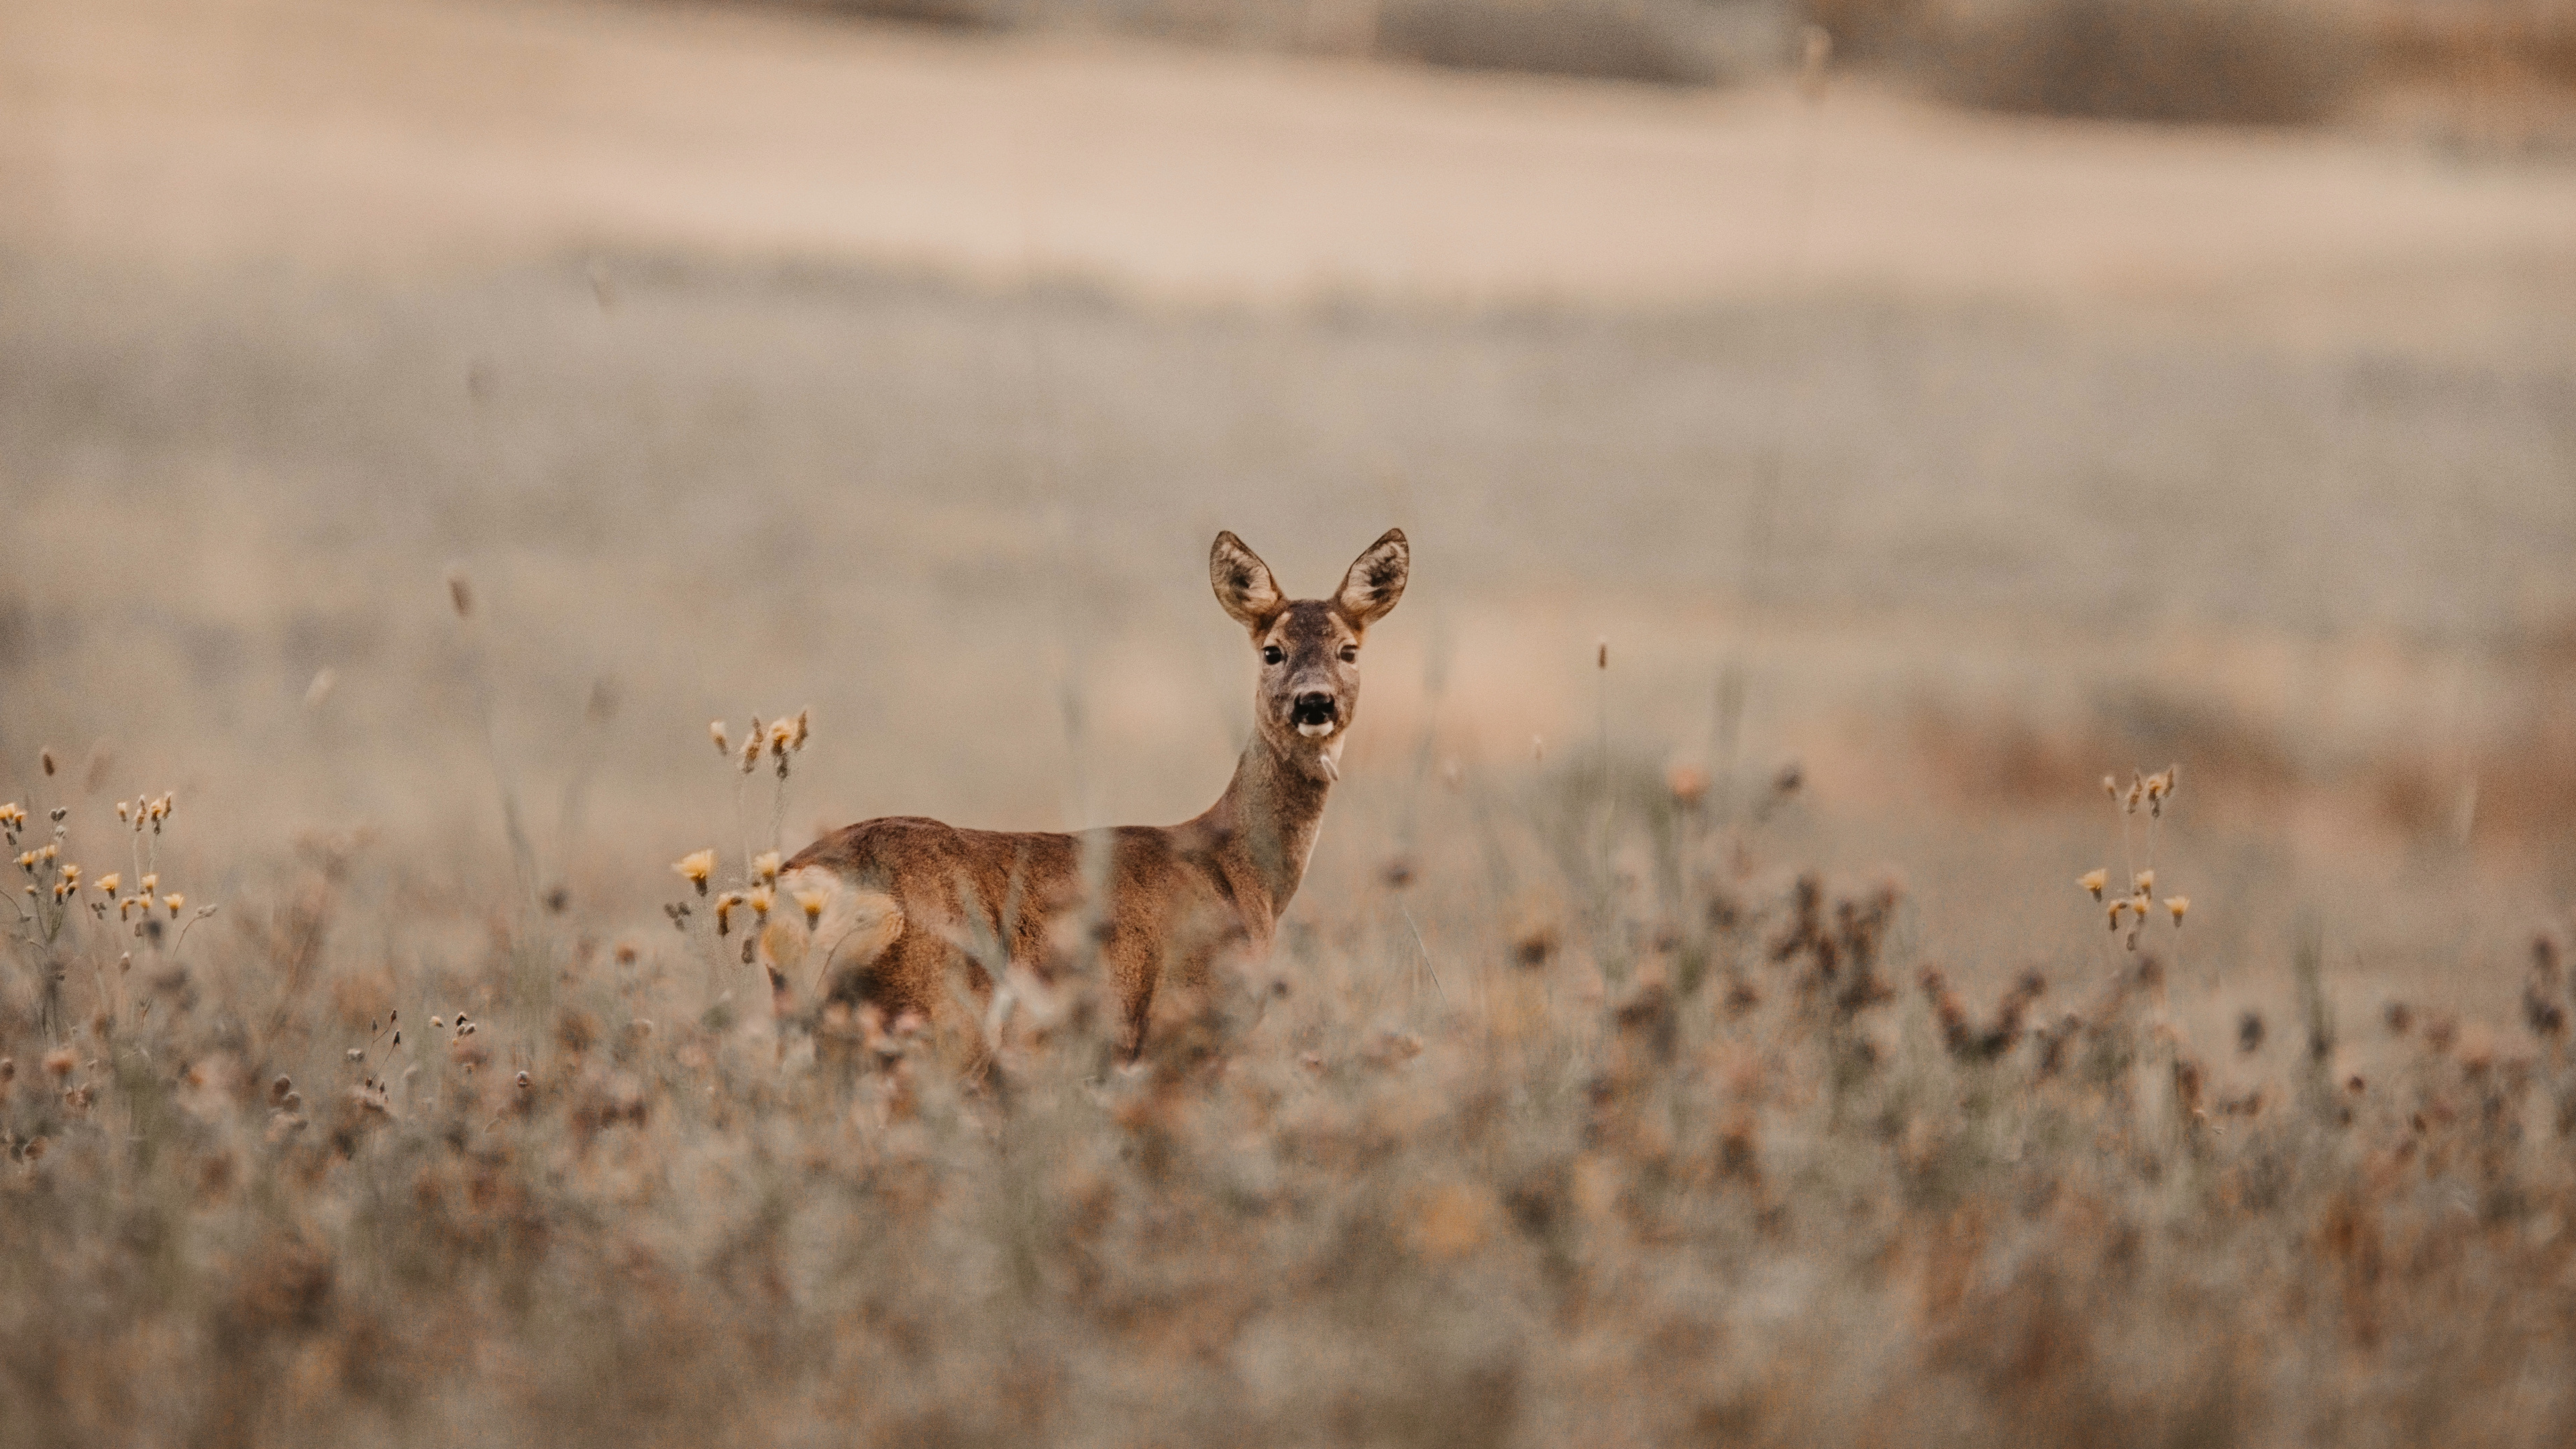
829, 935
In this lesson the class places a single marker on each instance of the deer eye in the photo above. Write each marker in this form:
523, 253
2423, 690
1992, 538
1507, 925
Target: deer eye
1272, 654
1350, 654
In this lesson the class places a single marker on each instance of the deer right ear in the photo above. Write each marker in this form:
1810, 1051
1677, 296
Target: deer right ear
1243, 583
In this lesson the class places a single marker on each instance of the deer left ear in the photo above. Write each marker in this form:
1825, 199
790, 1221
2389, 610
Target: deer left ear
1376, 580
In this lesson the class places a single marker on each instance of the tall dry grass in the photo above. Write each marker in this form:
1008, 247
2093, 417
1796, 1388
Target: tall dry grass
1587, 1098
1647, 1136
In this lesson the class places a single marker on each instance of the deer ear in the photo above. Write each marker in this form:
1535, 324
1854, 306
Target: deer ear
1376, 580
1243, 583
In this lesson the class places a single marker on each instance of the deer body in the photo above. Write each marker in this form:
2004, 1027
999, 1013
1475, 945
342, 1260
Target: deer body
899, 905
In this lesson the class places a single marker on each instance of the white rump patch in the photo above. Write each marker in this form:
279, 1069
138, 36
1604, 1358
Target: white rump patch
850, 927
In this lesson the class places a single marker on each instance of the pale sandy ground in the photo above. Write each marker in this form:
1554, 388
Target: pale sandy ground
404, 134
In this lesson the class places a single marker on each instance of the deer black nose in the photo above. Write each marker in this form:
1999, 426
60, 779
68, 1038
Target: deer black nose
1314, 707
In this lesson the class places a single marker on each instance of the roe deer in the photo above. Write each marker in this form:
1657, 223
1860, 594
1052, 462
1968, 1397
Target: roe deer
894, 906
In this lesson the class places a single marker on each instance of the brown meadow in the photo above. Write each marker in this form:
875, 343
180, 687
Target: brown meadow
1704, 1151
1604, 1086
1722, 1006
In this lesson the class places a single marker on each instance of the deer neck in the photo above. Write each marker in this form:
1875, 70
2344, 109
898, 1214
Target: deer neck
1270, 814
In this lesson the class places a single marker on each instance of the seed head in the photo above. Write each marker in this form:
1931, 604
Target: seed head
716, 732
59, 1062
460, 593
2094, 880
761, 899
811, 902
176, 902
749, 759
46, 758
695, 867
804, 723
108, 883
2180, 906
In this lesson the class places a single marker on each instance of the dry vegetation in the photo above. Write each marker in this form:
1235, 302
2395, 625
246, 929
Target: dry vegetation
2258, 62
1649, 1137
1588, 1099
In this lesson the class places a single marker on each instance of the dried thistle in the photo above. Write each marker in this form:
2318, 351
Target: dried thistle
695, 867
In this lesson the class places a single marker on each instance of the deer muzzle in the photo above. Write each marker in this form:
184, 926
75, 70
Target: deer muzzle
1315, 714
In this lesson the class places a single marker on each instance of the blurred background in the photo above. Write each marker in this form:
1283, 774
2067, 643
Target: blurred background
2023, 391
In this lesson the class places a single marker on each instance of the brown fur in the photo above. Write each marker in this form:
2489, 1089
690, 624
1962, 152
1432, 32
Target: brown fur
903, 905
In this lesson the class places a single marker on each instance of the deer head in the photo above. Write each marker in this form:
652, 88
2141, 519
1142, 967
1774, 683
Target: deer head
1309, 648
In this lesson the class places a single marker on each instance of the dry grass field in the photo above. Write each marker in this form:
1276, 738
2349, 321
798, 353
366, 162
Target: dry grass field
401, 464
